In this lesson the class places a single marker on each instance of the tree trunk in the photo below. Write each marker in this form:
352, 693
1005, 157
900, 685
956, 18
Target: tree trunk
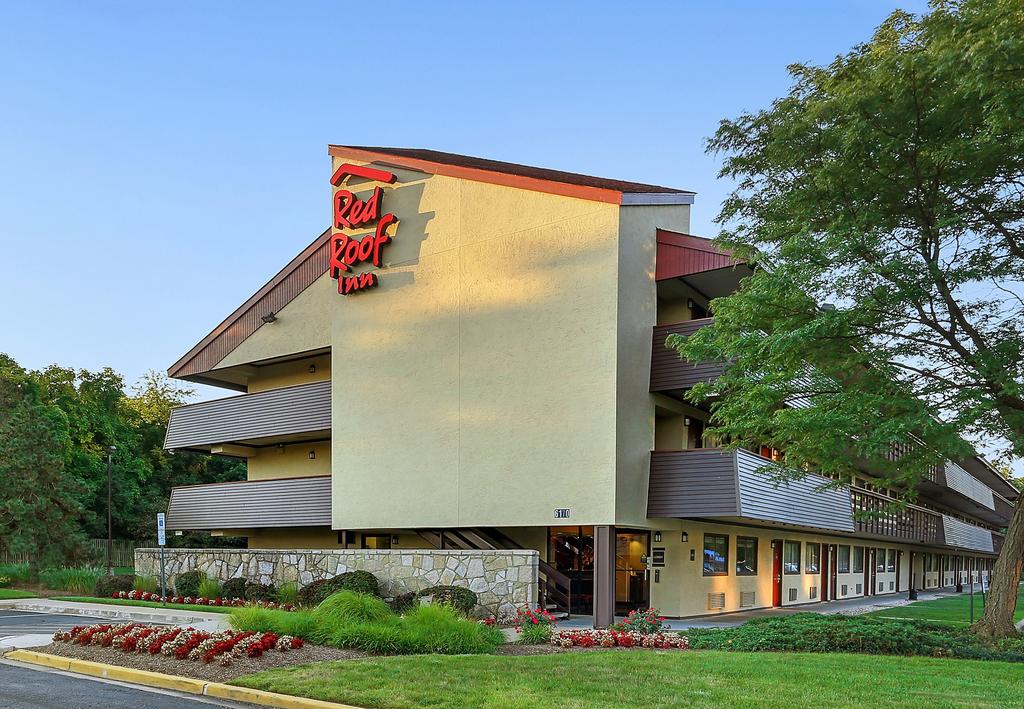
1002, 595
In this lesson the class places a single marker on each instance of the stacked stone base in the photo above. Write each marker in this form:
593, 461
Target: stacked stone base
502, 579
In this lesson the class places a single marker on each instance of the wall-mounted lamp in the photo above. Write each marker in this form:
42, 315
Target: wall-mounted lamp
689, 303
280, 448
686, 537
657, 536
312, 455
269, 317
687, 421
312, 368
394, 540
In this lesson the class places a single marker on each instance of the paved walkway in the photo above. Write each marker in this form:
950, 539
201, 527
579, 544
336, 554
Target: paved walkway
849, 606
113, 611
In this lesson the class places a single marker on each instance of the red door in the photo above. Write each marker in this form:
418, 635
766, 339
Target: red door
826, 573
776, 572
833, 564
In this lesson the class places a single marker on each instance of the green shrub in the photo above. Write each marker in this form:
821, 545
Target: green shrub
187, 584
261, 620
146, 583
288, 592
440, 629
382, 638
403, 602
209, 588
461, 599
80, 580
256, 591
107, 586
17, 573
234, 588
359, 581
5, 581
348, 607
534, 634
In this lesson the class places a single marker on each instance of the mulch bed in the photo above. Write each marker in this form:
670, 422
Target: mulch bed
212, 672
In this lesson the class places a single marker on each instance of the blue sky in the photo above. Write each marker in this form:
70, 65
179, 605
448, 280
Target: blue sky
161, 162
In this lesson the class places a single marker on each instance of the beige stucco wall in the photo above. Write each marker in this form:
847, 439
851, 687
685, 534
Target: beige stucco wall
293, 372
636, 316
291, 462
476, 384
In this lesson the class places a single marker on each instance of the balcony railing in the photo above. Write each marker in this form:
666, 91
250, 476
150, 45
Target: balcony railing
668, 370
278, 415
284, 502
714, 483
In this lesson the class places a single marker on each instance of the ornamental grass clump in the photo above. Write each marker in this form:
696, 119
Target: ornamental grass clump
17, 573
347, 607
81, 580
148, 584
209, 588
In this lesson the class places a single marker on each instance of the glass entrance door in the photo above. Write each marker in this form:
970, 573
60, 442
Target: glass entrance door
632, 585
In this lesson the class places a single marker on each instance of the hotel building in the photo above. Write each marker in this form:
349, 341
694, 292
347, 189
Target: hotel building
473, 356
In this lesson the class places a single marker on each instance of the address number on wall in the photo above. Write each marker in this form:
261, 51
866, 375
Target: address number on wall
561, 513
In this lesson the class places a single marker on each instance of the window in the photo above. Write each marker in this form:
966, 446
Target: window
746, 556
716, 554
813, 558
376, 541
880, 561
890, 559
843, 564
858, 560
791, 558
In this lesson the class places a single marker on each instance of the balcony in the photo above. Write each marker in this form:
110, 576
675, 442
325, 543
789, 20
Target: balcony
238, 423
715, 483
285, 502
954, 487
669, 371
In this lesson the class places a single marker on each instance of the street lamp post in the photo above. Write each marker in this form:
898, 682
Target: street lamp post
110, 528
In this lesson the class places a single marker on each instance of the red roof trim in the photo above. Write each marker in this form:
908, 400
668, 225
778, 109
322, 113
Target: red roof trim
685, 254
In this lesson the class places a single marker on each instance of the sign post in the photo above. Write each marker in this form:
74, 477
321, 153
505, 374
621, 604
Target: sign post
161, 540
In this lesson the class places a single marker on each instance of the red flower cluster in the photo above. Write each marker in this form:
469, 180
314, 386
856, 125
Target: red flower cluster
526, 617
199, 601
619, 638
180, 643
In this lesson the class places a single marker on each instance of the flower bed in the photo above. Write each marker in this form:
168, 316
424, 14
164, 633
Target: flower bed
179, 643
199, 601
619, 638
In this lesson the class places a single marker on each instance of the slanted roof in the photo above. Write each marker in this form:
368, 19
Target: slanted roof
539, 179
685, 254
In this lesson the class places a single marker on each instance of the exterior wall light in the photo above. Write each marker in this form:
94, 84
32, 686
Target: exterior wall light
394, 540
687, 421
312, 455
280, 448
686, 537
269, 317
312, 368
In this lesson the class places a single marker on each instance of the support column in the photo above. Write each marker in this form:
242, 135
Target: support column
604, 576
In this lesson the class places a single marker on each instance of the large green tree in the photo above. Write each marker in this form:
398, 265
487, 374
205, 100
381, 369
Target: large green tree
881, 202
40, 503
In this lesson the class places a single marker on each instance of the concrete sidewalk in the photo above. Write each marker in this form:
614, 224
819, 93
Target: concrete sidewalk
850, 606
120, 613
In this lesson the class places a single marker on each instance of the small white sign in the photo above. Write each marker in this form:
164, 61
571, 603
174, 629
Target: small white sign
561, 513
161, 531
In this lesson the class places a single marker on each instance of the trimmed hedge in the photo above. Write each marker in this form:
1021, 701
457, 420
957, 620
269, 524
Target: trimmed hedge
107, 586
357, 581
255, 591
235, 588
461, 599
187, 584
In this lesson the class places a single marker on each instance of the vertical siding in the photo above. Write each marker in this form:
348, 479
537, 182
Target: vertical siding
793, 502
689, 483
277, 412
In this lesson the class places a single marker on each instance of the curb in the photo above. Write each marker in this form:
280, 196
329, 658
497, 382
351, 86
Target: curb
172, 682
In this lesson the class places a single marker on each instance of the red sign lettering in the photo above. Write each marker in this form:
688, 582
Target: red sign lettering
351, 212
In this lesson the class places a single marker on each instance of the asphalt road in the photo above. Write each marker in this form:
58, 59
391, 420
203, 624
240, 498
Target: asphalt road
22, 688
25, 623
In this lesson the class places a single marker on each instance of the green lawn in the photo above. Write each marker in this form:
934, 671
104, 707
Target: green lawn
7, 594
644, 679
955, 610
146, 604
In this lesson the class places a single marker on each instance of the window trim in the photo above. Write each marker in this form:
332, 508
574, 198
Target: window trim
737, 560
813, 548
839, 559
725, 563
853, 559
799, 565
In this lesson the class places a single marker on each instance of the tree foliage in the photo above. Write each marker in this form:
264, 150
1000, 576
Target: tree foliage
56, 425
881, 202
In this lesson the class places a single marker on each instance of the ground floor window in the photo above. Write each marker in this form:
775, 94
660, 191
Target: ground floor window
791, 557
880, 561
890, 559
813, 558
716, 554
843, 562
858, 560
746, 556
376, 541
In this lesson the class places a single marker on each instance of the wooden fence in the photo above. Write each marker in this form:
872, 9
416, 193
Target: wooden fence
122, 552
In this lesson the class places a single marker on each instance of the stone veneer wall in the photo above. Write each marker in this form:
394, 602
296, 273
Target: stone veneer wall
502, 579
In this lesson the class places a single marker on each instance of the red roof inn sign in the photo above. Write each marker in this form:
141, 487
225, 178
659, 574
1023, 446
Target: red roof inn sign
350, 212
